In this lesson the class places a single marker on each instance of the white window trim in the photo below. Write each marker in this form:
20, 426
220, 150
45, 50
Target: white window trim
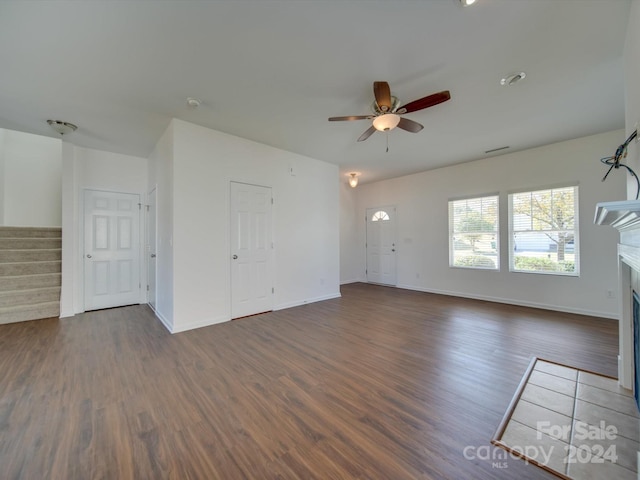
450, 203
576, 230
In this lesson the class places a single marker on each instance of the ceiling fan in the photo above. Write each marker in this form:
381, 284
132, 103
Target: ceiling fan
386, 114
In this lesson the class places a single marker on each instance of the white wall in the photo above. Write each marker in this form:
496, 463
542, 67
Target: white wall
2, 176
422, 239
628, 276
70, 302
112, 171
305, 222
350, 250
31, 177
632, 93
85, 168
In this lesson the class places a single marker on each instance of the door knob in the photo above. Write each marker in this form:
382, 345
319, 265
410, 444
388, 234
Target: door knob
88, 256
153, 255
235, 257
393, 249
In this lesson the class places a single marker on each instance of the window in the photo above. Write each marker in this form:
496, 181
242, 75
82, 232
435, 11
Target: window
473, 233
544, 231
380, 215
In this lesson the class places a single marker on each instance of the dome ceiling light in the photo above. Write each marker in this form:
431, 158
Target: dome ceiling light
63, 128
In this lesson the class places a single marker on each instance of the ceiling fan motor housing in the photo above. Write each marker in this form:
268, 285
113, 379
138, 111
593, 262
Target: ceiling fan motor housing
395, 103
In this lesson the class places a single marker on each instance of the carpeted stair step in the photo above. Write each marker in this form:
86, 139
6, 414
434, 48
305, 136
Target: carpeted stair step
45, 255
12, 298
26, 232
30, 273
29, 268
25, 282
35, 311
29, 243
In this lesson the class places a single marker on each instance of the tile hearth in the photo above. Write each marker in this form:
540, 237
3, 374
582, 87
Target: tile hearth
575, 423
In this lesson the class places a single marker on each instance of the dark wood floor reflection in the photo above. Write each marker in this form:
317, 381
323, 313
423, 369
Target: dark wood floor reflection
380, 384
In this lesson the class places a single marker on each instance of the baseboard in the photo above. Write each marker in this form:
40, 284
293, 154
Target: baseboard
67, 314
346, 282
331, 296
509, 301
167, 324
207, 322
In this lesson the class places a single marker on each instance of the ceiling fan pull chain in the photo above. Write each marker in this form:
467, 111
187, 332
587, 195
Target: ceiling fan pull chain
387, 141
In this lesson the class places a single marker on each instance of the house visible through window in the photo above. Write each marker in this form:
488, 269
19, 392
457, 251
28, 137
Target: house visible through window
473, 233
379, 215
544, 231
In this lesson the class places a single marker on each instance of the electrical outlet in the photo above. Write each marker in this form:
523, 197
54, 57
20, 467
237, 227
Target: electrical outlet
610, 294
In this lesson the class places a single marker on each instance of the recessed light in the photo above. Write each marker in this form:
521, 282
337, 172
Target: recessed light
466, 3
512, 79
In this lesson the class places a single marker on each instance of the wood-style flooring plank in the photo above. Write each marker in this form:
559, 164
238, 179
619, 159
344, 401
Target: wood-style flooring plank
379, 384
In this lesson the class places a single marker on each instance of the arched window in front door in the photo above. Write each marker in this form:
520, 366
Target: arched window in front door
380, 215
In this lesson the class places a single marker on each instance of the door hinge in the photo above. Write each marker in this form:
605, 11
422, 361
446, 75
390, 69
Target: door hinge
273, 290
139, 206
139, 285
147, 288
147, 207
271, 200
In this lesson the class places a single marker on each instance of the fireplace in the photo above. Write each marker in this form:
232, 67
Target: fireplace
625, 217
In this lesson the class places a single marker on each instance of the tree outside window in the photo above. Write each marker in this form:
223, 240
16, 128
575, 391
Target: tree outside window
544, 231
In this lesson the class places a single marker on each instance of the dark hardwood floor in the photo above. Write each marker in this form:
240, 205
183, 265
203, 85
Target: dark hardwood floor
380, 384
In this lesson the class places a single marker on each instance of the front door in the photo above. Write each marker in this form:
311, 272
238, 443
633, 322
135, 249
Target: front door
381, 245
251, 250
111, 249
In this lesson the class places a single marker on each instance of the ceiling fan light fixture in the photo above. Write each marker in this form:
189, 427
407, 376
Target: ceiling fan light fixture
63, 128
386, 122
353, 179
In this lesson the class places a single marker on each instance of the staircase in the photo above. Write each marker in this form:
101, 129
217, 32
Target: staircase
30, 266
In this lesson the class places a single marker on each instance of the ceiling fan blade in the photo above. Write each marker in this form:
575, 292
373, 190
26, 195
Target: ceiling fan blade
382, 92
425, 102
409, 125
351, 117
367, 133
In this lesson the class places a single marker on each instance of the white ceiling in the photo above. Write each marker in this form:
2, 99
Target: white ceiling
274, 71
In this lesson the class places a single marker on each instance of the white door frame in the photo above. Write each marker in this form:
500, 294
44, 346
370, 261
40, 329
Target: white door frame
271, 261
151, 250
386, 208
81, 239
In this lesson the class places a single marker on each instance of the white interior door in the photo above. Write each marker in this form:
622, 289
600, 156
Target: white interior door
381, 245
151, 250
251, 250
111, 249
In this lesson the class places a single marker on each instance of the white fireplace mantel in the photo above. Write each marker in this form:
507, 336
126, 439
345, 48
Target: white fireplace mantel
625, 217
